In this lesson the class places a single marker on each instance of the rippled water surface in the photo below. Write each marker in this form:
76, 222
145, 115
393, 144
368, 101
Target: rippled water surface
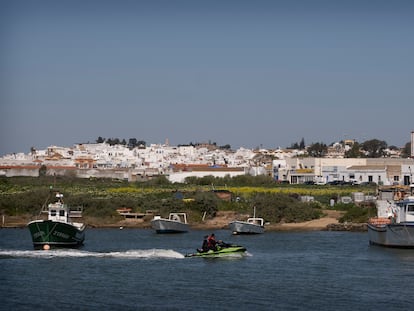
136, 269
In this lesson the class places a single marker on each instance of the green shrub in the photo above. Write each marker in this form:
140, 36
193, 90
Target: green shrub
357, 214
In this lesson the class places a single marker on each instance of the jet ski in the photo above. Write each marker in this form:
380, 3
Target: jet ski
220, 251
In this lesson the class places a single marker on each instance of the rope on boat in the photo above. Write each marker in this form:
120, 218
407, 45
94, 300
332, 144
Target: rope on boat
44, 238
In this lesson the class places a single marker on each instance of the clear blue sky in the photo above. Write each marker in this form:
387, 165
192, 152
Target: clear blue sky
244, 73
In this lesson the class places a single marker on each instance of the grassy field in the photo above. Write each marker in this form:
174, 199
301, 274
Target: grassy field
101, 197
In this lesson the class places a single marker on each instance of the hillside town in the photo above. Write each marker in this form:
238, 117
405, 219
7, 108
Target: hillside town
176, 163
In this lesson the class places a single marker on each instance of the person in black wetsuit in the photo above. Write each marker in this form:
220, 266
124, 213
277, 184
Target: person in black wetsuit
204, 247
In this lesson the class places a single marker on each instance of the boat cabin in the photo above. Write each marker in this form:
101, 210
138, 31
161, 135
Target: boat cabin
58, 211
177, 217
180, 217
256, 221
403, 206
405, 211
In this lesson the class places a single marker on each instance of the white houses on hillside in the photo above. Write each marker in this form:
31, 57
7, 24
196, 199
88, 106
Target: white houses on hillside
383, 171
179, 162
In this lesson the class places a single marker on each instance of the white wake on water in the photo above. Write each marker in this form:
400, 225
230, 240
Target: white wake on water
67, 253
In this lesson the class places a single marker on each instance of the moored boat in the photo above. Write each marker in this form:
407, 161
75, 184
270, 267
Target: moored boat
394, 224
253, 225
57, 230
175, 223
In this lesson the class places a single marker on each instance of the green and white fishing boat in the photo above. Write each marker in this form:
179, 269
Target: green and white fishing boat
57, 230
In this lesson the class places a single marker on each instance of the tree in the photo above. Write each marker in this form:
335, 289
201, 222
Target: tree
374, 148
100, 140
42, 170
132, 143
406, 151
317, 150
113, 141
354, 152
302, 144
294, 146
226, 147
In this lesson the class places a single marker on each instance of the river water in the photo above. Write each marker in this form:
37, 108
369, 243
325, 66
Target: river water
136, 269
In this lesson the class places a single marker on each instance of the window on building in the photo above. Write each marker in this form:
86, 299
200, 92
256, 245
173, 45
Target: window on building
370, 179
396, 178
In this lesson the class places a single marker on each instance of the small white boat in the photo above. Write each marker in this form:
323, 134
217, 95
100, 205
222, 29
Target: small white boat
175, 223
394, 224
253, 225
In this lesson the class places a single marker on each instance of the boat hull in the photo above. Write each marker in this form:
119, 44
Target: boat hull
169, 226
399, 235
54, 233
223, 252
242, 227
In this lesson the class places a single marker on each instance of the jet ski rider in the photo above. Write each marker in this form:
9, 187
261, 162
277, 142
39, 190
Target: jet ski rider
204, 247
211, 242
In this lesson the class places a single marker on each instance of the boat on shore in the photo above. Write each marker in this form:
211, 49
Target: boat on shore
394, 224
175, 223
57, 230
253, 225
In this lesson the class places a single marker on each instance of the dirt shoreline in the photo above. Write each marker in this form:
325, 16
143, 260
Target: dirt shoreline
219, 222
223, 218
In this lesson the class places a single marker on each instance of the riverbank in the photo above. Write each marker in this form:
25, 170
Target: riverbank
328, 222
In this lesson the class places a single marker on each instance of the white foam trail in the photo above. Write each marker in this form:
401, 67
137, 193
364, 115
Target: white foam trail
130, 254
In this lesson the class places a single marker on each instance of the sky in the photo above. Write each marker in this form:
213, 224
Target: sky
244, 73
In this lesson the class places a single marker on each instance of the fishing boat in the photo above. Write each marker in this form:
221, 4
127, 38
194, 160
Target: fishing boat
57, 230
225, 250
253, 225
175, 223
394, 224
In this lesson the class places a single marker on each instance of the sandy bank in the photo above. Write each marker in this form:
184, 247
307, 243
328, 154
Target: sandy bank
219, 222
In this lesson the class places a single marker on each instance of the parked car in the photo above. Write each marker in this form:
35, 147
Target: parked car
309, 182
